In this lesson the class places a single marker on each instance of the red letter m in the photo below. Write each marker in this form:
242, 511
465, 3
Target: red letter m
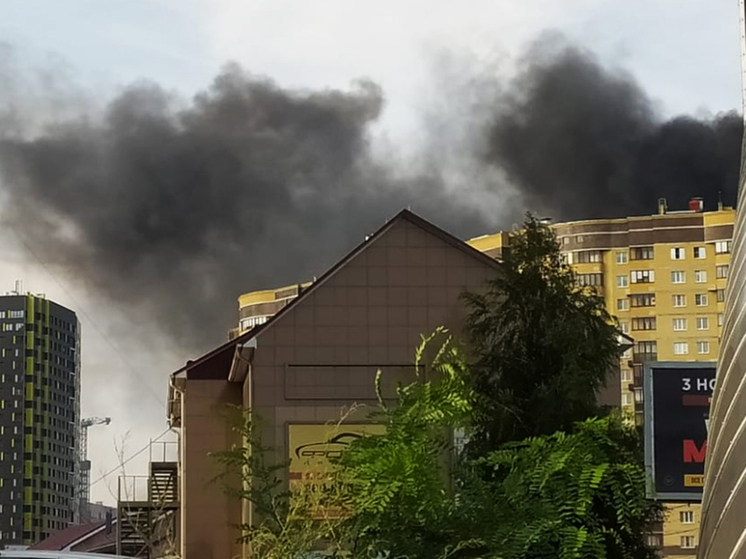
692, 453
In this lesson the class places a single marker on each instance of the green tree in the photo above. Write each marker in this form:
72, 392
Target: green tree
577, 495
400, 484
543, 346
571, 496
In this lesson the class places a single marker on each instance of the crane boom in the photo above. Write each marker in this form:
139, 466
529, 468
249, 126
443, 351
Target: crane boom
84, 469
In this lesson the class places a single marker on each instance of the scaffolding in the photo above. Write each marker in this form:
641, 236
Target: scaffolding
148, 507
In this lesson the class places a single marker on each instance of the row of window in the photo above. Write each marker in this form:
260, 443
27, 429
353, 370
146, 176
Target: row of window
12, 314
679, 348
636, 300
686, 542
677, 276
679, 324
642, 253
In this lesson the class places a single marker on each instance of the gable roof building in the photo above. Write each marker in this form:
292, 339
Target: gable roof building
316, 356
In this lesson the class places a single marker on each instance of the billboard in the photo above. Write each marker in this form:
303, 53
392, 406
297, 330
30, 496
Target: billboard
677, 406
312, 449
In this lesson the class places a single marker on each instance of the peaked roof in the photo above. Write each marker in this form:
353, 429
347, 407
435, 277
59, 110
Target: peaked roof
62, 538
225, 352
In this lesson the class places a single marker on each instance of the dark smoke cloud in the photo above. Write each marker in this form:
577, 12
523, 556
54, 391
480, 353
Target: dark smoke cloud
581, 141
171, 209
174, 211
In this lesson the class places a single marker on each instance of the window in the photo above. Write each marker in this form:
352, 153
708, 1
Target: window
687, 542
622, 281
722, 247
703, 347
679, 324
622, 304
699, 252
655, 540
641, 253
589, 280
700, 276
643, 276
720, 295
677, 253
624, 327
686, 517
721, 271
579, 239
647, 348
622, 257
638, 395
565, 240
720, 319
643, 323
626, 399
703, 323
678, 277
643, 300
681, 348
626, 375
679, 300
700, 299
15, 314
586, 256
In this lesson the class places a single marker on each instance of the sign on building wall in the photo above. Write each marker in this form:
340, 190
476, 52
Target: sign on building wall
312, 449
677, 406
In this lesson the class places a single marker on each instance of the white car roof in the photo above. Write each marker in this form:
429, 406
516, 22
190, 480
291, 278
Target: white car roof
32, 554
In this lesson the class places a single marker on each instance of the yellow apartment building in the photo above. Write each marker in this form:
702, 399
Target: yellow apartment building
664, 277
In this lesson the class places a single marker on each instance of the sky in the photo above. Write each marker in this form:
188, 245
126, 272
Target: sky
685, 54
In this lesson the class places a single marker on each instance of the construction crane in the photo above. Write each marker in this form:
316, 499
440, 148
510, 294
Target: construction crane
84, 489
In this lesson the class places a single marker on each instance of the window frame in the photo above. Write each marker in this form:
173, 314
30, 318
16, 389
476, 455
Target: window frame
700, 276
702, 297
642, 276
682, 321
684, 345
676, 274
699, 253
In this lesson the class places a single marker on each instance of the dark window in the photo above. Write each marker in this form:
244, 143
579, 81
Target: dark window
641, 253
642, 300
644, 323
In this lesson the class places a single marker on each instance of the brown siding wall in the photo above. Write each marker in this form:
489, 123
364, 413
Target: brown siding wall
322, 355
208, 515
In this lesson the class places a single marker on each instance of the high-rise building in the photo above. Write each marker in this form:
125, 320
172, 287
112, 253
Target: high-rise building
257, 307
39, 417
664, 277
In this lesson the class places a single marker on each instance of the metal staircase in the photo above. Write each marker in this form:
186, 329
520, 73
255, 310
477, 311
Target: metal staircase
148, 508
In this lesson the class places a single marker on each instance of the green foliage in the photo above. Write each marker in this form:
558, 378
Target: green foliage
399, 483
285, 524
579, 495
543, 346
565, 496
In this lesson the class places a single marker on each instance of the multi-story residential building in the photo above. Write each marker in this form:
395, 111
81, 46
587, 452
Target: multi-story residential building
39, 416
257, 307
664, 277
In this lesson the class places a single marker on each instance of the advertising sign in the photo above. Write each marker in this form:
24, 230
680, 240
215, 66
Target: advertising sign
677, 405
312, 449
313, 446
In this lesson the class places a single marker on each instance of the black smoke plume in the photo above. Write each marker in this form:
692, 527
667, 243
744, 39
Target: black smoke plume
173, 212
172, 209
582, 141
